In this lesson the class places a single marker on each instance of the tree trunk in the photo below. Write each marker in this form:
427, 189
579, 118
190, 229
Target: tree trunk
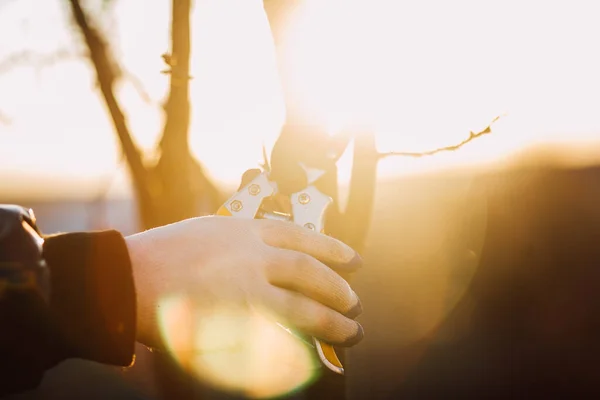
179, 184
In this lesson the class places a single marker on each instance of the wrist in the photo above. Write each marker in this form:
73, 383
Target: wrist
142, 269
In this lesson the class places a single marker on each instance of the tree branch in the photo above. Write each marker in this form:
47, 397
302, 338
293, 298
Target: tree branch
108, 73
472, 136
38, 61
34, 59
138, 86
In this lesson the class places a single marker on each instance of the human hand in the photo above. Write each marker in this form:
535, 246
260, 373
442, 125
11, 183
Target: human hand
265, 264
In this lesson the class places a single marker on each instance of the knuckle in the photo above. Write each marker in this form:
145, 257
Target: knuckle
292, 234
323, 319
301, 263
272, 265
277, 233
269, 225
316, 316
272, 275
306, 315
291, 306
312, 321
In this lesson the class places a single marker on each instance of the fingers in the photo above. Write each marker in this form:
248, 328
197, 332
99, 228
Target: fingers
313, 318
322, 247
304, 274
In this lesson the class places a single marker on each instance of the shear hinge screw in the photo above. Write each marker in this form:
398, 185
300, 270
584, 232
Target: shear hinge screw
310, 226
254, 189
236, 205
303, 198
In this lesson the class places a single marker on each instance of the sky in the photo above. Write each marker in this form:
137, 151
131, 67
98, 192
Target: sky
421, 74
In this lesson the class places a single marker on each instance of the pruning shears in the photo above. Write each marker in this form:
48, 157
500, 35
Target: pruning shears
259, 198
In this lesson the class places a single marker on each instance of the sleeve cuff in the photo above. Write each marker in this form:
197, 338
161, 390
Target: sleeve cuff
93, 295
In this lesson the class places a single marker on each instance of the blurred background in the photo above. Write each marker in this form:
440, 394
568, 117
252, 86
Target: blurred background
94, 136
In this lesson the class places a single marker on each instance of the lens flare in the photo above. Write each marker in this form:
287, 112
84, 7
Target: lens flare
236, 349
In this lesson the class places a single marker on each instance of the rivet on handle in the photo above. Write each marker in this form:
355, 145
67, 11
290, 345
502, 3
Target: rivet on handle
236, 205
254, 189
303, 198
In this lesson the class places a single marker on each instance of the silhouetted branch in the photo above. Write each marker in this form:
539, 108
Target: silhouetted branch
107, 73
138, 86
37, 60
472, 136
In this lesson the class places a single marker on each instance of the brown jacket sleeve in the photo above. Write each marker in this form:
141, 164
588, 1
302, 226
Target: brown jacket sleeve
92, 296
90, 312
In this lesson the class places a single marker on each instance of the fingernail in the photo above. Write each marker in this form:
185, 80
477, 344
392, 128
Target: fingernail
354, 264
356, 261
356, 310
360, 334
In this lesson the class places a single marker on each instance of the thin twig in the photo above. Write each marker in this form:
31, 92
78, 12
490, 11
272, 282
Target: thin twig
138, 86
472, 136
38, 61
29, 58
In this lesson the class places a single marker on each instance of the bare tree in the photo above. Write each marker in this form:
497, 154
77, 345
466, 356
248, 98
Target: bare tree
174, 187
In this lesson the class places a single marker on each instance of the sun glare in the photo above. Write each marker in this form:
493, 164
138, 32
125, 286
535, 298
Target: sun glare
425, 74
236, 349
